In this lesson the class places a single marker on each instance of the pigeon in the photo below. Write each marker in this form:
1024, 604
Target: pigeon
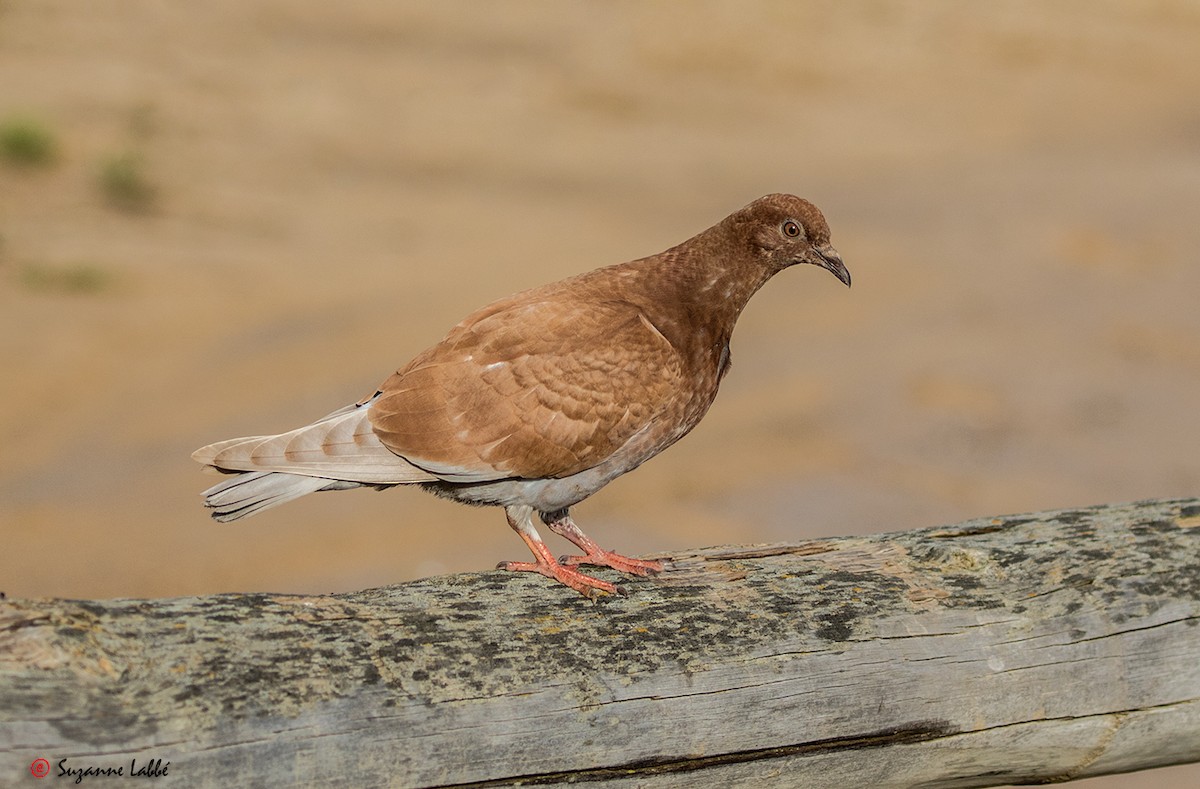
536, 401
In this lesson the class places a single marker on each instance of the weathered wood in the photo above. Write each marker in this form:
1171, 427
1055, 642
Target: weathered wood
1018, 649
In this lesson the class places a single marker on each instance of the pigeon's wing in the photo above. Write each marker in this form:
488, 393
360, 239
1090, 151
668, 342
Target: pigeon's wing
530, 389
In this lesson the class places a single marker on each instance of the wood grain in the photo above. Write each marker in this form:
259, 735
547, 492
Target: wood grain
1027, 648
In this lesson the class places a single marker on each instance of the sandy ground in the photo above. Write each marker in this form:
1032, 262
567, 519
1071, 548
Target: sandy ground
1014, 187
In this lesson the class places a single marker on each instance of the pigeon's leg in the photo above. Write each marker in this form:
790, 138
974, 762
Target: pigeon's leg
521, 520
561, 524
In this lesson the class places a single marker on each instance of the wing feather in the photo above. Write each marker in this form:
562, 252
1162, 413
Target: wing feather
544, 389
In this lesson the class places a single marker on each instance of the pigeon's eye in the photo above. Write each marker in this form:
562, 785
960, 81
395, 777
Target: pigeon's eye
791, 229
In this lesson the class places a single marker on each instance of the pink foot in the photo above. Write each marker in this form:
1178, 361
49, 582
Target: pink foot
616, 561
563, 570
586, 585
561, 524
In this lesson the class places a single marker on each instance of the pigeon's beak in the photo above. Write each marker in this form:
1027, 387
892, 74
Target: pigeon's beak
828, 258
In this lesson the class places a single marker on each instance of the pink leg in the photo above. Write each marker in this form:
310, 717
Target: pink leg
561, 524
521, 520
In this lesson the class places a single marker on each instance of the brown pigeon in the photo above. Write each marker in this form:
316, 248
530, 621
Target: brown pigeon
537, 401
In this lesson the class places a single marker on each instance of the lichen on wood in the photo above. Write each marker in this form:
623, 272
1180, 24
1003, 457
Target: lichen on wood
1037, 647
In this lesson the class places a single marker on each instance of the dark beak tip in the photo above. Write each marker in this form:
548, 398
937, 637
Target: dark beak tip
828, 259
831, 261
837, 268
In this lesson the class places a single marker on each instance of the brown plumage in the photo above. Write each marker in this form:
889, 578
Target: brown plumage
538, 400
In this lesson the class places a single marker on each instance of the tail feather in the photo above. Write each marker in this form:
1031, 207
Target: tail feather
254, 491
340, 446
337, 452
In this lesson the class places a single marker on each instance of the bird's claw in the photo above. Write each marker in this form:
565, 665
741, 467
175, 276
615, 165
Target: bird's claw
616, 561
586, 585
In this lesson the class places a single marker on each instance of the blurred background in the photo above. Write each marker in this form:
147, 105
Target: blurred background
230, 218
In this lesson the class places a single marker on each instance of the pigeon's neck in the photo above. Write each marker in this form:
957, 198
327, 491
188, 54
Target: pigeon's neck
711, 284
694, 293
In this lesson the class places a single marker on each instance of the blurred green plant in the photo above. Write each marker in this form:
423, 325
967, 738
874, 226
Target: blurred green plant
124, 184
79, 278
27, 142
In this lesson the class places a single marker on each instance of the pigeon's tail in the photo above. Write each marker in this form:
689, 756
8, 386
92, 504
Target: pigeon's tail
340, 446
253, 491
337, 452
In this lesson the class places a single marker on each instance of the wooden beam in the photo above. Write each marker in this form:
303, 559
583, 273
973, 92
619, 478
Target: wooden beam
1026, 648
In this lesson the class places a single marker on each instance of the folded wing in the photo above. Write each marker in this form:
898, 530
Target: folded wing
532, 389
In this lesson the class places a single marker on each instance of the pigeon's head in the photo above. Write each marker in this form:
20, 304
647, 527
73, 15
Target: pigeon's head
788, 230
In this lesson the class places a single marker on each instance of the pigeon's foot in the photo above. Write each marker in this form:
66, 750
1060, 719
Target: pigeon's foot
561, 524
586, 585
521, 520
616, 561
